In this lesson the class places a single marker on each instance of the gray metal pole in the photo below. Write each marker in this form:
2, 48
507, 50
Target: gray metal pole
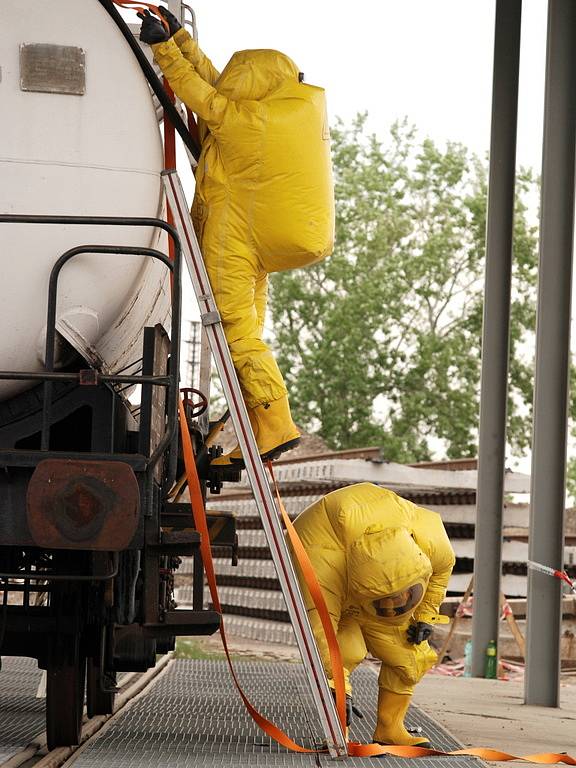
495, 331
544, 607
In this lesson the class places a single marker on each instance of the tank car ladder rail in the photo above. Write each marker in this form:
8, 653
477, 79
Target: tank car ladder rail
263, 495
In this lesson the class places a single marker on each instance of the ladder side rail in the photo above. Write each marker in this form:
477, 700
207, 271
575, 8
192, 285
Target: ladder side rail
204, 383
263, 495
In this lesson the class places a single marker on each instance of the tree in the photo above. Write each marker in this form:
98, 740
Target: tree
380, 343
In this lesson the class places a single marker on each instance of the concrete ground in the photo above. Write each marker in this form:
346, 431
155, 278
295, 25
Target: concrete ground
492, 713
479, 713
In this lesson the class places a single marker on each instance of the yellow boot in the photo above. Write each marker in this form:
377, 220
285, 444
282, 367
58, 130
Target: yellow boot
392, 708
275, 431
235, 455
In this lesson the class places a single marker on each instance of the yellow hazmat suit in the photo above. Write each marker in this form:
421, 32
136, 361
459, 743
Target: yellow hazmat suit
263, 202
383, 563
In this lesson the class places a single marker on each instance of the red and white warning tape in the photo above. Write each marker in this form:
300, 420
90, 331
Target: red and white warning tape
562, 575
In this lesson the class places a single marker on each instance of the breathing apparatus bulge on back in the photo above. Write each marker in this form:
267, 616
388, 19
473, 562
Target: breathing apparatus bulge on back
282, 181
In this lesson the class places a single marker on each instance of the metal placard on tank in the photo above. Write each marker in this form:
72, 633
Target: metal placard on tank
48, 68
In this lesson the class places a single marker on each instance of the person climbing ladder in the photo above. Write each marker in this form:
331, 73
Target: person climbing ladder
263, 203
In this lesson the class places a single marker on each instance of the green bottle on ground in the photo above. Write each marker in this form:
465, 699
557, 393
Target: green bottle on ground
491, 666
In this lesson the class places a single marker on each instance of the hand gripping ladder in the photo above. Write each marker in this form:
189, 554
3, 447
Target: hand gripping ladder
261, 489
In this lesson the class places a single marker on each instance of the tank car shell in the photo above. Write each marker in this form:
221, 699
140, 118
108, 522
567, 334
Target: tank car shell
96, 153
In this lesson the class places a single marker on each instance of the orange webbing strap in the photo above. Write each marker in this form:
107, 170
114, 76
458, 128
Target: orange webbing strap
140, 6
485, 753
169, 134
356, 749
319, 603
201, 525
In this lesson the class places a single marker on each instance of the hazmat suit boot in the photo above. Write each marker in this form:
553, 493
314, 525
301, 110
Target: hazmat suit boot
392, 708
235, 455
275, 431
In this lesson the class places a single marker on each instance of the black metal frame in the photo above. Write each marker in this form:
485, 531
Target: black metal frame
171, 382
142, 462
48, 576
155, 621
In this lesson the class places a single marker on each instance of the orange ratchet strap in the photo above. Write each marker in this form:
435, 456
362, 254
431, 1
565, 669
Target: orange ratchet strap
201, 525
319, 603
355, 749
140, 6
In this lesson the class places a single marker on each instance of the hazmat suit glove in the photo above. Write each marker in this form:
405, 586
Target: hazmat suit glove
351, 708
152, 30
419, 632
173, 22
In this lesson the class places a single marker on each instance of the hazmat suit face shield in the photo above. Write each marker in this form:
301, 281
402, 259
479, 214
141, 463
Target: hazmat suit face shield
399, 603
388, 573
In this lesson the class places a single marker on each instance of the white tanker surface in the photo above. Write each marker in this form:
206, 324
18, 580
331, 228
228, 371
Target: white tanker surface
78, 136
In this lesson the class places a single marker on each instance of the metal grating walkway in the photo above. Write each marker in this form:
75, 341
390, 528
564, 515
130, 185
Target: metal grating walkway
193, 716
21, 713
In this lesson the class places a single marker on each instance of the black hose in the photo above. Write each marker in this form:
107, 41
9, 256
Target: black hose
4, 619
170, 110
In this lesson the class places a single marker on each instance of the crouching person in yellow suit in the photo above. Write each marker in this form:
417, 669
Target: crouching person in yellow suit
263, 201
383, 565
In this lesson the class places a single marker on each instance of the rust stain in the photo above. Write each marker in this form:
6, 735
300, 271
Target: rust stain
92, 505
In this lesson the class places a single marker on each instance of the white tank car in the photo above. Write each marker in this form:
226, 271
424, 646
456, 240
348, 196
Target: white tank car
78, 136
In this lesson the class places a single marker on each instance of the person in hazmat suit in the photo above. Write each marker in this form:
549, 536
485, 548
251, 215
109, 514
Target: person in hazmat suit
383, 564
263, 201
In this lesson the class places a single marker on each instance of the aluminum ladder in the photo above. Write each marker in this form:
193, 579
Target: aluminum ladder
261, 489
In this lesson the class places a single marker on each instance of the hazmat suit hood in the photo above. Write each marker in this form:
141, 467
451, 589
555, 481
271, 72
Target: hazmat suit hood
386, 561
255, 74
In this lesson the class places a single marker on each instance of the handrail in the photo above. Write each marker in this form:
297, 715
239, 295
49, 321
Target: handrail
49, 376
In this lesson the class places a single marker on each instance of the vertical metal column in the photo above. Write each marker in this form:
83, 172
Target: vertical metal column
552, 357
495, 333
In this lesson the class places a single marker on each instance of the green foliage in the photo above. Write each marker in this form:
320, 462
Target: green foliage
380, 343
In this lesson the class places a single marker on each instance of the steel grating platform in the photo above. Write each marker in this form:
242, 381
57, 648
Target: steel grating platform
21, 713
193, 716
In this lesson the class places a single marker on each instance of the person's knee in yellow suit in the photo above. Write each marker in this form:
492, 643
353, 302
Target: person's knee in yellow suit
263, 201
383, 564
240, 289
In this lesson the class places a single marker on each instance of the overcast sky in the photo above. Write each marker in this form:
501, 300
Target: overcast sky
428, 60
